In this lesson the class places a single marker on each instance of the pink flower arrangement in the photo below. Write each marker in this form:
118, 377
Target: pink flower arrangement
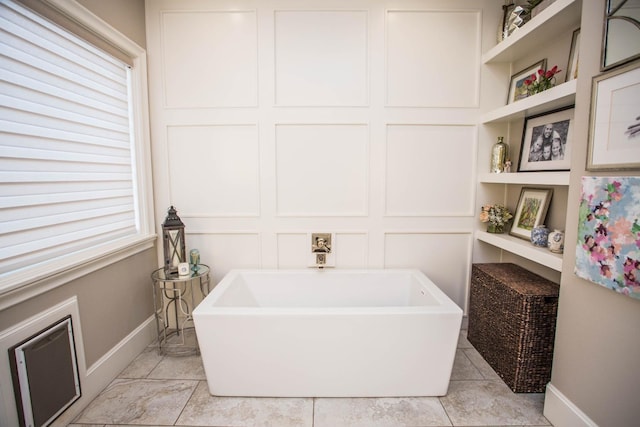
543, 81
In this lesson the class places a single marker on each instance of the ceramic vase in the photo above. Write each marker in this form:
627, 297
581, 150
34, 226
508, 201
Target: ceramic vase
540, 236
556, 241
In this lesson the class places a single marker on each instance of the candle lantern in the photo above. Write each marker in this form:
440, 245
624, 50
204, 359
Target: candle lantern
173, 242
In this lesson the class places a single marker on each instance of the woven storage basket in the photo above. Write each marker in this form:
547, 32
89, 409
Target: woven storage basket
512, 322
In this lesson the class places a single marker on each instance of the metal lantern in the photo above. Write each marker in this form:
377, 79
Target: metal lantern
173, 242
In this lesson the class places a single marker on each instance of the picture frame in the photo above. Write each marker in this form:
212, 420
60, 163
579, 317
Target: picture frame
547, 140
614, 124
531, 211
517, 88
506, 11
620, 33
572, 65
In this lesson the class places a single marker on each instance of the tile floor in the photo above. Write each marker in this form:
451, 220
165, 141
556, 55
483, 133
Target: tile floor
159, 390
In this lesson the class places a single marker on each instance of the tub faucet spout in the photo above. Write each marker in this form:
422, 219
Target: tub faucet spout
321, 260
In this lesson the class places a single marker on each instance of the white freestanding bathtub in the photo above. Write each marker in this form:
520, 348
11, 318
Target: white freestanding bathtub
327, 333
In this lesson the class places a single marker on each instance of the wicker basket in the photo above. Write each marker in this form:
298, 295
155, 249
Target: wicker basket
512, 321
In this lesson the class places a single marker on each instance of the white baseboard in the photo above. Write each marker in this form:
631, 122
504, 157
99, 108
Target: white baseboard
561, 412
106, 369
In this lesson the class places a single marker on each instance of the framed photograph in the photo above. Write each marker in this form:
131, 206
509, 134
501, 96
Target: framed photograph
506, 12
572, 66
531, 211
614, 128
546, 141
621, 33
517, 89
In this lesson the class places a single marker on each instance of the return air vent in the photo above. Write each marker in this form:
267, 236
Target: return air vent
45, 374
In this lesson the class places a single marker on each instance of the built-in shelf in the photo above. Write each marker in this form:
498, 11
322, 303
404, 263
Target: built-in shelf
544, 27
557, 19
522, 248
562, 95
526, 178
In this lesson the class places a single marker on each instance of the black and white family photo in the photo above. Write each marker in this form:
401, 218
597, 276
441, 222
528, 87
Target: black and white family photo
549, 141
546, 141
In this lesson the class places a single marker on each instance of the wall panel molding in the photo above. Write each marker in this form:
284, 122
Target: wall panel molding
214, 170
430, 170
209, 58
322, 170
414, 77
321, 58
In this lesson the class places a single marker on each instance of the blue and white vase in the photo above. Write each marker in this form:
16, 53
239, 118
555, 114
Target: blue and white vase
540, 236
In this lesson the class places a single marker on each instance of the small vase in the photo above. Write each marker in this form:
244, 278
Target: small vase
495, 228
540, 236
556, 241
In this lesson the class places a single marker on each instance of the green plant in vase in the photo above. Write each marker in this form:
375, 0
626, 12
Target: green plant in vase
543, 81
497, 216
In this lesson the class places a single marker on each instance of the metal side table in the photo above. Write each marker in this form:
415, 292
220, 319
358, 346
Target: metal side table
174, 298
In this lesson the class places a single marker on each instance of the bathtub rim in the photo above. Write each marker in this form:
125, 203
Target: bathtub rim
445, 305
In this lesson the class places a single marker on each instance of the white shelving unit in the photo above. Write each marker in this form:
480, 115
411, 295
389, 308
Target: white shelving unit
559, 96
559, 17
522, 248
555, 19
526, 178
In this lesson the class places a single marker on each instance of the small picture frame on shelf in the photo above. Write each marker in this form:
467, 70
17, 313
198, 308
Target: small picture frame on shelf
517, 88
531, 211
572, 65
614, 128
546, 141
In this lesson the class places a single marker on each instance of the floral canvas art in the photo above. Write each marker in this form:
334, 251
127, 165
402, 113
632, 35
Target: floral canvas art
608, 251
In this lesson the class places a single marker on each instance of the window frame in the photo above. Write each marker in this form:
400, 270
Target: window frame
26, 283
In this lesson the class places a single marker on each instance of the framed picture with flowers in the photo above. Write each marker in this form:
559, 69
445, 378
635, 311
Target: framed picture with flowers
531, 211
546, 141
517, 87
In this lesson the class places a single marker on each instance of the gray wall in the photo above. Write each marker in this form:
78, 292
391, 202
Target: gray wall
112, 302
127, 16
597, 347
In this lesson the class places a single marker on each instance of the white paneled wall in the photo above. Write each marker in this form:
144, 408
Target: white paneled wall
432, 57
273, 119
305, 42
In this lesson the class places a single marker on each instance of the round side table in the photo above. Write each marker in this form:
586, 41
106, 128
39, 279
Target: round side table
174, 298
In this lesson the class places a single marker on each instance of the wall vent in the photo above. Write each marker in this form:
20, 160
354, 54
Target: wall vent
45, 376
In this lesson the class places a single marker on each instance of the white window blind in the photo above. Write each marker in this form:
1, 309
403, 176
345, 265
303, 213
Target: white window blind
67, 154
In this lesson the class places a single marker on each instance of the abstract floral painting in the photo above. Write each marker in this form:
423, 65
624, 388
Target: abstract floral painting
608, 251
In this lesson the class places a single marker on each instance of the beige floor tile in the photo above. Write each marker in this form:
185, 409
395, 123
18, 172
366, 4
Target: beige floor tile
379, 412
179, 367
139, 401
491, 403
464, 369
142, 365
482, 365
463, 342
204, 409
